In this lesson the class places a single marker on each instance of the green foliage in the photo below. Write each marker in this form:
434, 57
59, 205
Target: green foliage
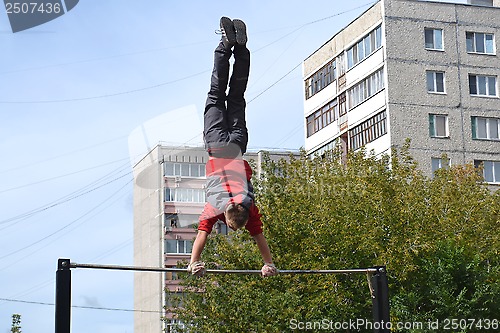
438, 238
16, 323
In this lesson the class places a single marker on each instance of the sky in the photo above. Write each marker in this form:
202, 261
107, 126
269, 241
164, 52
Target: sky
75, 91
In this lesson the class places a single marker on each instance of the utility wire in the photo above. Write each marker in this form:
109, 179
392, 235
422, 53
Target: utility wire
58, 177
105, 58
57, 203
272, 85
51, 282
105, 95
67, 225
81, 306
180, 79
75, 151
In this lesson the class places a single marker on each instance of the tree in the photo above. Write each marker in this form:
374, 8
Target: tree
16, 323
438, 238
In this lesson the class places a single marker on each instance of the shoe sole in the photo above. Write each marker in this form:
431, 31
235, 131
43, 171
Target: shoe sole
227, 25
241, 31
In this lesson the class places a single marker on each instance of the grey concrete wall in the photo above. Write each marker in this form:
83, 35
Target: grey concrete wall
407, 62
147, 244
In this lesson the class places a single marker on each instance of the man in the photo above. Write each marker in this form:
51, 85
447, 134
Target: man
230, 195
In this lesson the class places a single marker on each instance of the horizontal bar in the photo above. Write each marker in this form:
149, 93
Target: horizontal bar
224, 271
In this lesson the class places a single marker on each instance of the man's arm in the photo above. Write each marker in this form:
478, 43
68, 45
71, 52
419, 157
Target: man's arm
268, 269
199, 245
197, 267
263, 248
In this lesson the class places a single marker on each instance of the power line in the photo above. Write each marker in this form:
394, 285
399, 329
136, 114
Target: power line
104, 58
57, 202
299, 28
105, 95
75, 151
57, 177
183, 78
67, 225
272, 85
80, 306
51, 282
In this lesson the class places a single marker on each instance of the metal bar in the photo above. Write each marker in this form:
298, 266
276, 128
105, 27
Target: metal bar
223, 271
377, 281
63, 297
380, 301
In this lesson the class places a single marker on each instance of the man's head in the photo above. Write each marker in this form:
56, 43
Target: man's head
236, 216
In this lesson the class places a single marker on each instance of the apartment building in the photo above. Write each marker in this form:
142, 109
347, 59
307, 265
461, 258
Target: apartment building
169, 195
422, 70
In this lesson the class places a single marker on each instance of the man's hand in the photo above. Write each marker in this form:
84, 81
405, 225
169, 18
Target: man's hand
269, 270
197, 268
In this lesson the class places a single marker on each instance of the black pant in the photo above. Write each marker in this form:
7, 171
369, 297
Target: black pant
225, 131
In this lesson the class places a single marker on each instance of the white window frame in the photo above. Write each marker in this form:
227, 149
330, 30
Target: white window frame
483, 91
491, 171
364, 47
180, 244
471, 43
433, 129
491, 128
439, 163
432, 86
368, 131
184, 169
365, 89
435, 39
179, 194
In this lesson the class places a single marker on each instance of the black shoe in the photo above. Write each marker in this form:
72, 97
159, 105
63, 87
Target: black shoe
228, 32
241, 32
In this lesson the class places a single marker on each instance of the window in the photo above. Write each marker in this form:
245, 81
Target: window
323, 149
485, 128
341, 64
174, 326
184, 195
342, 104
368, 131
481, 85
350, 57
433, 39
322, 117
184, 169
178, 246
480, 43
221, 228
321, 79
366, 88
438, 163
435, 82
438, 126
364, 47
491, 170
171, 276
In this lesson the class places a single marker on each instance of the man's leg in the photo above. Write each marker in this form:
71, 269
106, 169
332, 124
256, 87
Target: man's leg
236, 104
216, 134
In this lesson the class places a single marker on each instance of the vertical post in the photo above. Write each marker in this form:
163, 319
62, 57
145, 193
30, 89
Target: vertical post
380, 301
63, 296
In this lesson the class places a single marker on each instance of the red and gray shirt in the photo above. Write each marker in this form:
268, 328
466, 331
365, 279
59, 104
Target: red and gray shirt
228, 181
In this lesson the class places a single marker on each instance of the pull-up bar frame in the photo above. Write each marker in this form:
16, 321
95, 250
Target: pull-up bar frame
377, 281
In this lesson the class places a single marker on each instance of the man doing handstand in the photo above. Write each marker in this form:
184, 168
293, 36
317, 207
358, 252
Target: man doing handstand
230, 196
